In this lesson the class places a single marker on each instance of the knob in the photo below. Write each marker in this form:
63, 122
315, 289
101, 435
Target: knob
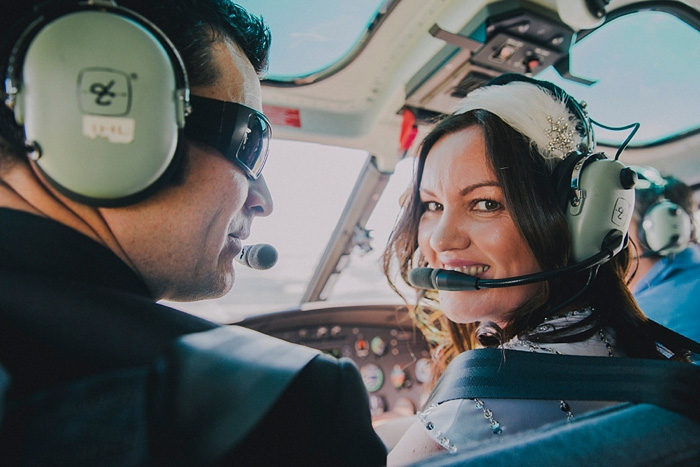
628, 178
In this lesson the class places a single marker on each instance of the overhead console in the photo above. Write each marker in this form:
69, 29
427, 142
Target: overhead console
525, 39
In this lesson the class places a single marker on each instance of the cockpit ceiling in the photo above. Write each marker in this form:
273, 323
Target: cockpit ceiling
425, 56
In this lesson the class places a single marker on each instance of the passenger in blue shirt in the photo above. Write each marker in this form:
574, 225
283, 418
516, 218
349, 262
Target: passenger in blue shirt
666, 283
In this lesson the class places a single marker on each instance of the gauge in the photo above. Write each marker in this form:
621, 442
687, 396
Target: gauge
346, 350
398, 376
372, 376
378, 346
404, 406
423, 370
361, 348
377, 405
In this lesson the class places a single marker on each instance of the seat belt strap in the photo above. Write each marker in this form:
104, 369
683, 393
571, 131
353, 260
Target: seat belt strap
510, 374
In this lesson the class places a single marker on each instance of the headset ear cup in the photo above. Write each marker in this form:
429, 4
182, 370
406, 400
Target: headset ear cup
600, 217
100, 95
665, 228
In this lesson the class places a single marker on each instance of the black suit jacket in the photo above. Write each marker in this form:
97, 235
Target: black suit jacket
102, 375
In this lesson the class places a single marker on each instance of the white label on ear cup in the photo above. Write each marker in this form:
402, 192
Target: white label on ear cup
114, 129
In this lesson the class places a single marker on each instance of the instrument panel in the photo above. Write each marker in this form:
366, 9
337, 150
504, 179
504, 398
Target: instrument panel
393, 356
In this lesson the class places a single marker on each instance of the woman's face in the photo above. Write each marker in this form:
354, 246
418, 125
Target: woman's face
466, 227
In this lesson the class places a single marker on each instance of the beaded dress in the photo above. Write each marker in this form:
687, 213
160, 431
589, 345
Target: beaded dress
461, 424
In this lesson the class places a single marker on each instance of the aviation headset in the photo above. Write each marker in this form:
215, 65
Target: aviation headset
664, 228
102, 95
596, 192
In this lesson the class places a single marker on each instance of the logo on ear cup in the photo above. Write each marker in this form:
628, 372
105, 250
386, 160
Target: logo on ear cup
104, 91
621, 213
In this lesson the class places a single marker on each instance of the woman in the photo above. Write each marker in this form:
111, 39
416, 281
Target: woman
483, 203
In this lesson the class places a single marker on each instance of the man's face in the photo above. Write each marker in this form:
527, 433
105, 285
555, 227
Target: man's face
183, 240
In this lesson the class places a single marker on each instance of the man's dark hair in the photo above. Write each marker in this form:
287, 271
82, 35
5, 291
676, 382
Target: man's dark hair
191, 25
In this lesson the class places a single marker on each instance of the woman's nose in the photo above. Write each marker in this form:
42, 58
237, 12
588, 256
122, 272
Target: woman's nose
450, 233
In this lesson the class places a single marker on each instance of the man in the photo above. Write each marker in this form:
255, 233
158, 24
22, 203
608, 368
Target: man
666, 283
92, 370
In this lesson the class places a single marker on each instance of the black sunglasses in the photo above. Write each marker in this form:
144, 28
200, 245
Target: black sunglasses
240, 133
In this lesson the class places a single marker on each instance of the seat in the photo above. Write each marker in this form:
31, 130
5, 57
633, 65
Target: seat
4, 384
626, 435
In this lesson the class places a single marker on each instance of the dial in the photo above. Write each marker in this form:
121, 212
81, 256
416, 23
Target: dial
378, 346
372, 376
423, 370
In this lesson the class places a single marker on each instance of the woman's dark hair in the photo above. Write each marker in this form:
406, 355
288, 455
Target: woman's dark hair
531, 201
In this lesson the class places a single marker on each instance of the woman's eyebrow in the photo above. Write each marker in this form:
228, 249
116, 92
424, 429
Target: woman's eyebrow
464, 191
474, 186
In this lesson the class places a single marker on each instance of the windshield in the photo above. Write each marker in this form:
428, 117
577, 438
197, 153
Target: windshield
307, 208
311, 35
626, 64
310, 183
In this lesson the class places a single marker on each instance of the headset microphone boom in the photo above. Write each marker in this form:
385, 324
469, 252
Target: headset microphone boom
443, 279
258, 256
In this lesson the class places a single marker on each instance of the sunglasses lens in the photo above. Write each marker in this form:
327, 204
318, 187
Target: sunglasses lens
239, 132
252, 152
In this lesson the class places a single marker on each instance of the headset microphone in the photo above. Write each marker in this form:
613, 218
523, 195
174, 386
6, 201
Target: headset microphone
442, 279
258, 256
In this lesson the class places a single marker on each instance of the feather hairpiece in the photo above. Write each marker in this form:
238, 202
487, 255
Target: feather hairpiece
531, 110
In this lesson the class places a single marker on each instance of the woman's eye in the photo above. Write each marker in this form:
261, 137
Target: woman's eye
487, 205
432, 206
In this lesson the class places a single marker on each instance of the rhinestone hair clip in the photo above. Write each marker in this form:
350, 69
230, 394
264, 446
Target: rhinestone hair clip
561, 135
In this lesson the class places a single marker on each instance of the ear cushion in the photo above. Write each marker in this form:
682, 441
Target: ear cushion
100, 97
665, 228
561, 178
